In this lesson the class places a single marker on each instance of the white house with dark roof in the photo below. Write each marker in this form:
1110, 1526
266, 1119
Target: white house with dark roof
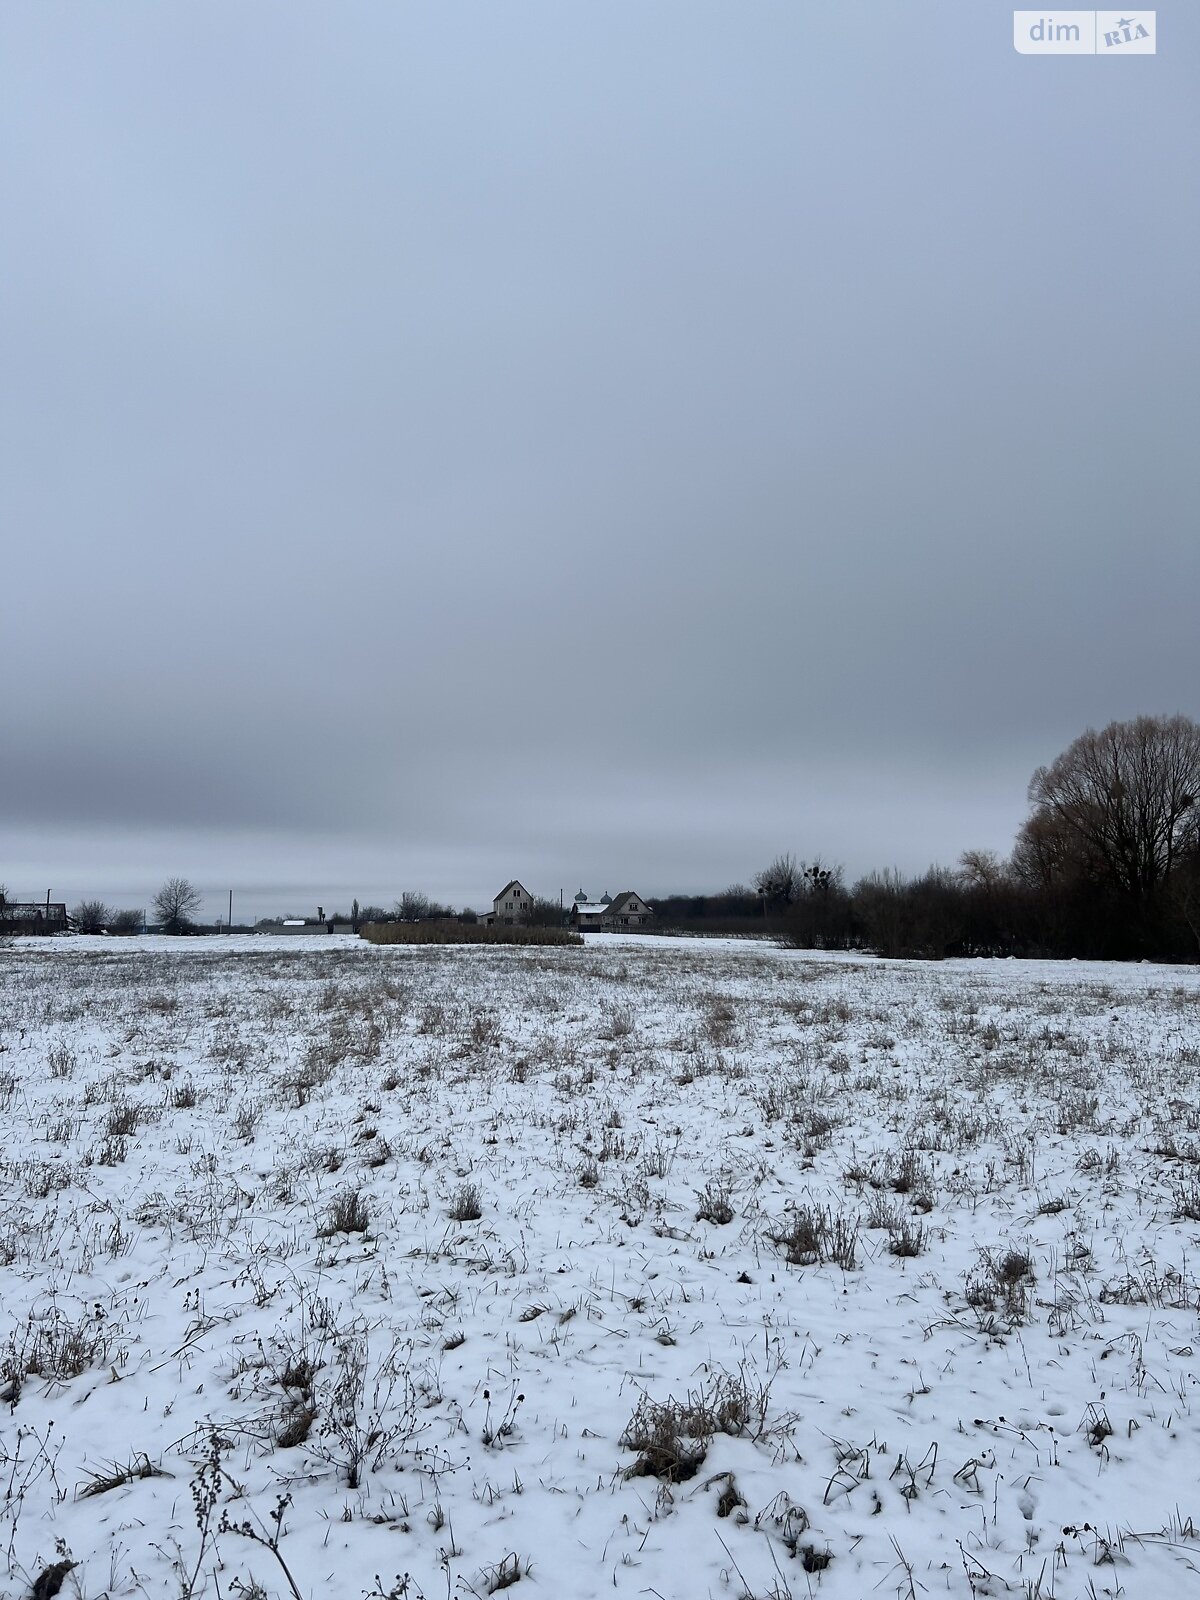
628, 910
511, 907
587, 913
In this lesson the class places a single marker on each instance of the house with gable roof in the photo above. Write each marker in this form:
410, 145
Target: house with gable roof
606, 915
511, 907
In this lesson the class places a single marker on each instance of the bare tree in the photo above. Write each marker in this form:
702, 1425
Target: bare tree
779, 883
545, 913
911, 917
1121, 802
412, 906
821, 915
881, 898
1185, 887
91, 916
126, 922
176, 904
1047, 854
981, 869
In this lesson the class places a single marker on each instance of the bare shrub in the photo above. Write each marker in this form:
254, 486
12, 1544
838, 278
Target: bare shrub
314, 1072
719, 1023
484, 1032
379, 1153
885, 1213
52, 1345
802, 1235
817, 1129
112, 1151
367, 1412
656, 1163
911, 1176
90, 916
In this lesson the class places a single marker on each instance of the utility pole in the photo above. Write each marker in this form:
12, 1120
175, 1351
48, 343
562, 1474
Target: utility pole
231, 910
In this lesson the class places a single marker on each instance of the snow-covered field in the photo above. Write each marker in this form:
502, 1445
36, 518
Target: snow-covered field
652, 1268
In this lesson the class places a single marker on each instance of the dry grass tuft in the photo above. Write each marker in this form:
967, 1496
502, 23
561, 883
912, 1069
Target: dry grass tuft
672, 1436
348, 1212
809, 1236
140, 1466
466, 1203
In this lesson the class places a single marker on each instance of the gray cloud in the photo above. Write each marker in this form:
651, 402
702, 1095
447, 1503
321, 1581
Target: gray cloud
579, 440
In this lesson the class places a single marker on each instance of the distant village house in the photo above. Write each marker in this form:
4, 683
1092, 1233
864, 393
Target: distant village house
31, 916
607, 915
512, 907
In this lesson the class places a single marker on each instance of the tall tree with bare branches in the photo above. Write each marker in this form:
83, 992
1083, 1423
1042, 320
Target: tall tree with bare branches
779, 883
1120, 805
176, 905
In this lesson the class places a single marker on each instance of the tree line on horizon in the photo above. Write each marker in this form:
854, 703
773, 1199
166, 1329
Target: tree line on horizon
1106, 866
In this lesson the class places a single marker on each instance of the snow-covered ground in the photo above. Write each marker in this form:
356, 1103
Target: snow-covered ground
936, 1332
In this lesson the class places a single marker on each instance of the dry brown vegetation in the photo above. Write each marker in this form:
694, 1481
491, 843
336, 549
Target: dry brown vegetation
465, 933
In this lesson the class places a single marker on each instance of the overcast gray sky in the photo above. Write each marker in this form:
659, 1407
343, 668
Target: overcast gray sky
605, 443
